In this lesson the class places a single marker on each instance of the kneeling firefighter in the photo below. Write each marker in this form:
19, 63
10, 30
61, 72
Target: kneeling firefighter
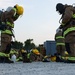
7, 18
35, 55
25, 56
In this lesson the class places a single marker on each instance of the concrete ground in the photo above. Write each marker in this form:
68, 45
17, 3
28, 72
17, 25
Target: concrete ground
37, 68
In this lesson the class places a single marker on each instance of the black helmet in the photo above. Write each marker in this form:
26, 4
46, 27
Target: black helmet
60, 8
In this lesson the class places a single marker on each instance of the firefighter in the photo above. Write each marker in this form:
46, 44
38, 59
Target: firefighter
35, 55
25, 56
60, 44
68, 26
7, 18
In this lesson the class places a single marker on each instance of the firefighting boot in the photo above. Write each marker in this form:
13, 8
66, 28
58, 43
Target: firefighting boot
59, 59
6, 60
70, 60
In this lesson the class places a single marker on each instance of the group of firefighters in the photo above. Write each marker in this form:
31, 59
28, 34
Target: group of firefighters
64, 37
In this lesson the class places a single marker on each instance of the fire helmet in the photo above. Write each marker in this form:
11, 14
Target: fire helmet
35, 51
23, 51
20, 9
60, 8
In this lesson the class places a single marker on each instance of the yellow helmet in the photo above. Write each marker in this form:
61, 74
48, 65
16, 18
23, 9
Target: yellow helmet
53, 58
23, 51
20, 9
35, 51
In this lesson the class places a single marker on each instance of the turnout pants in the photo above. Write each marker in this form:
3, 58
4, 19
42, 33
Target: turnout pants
5, 40
61, 49
70, 43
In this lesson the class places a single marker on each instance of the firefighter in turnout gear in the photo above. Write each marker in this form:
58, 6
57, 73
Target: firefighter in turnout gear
25, 56
60, 44
7, 18
68, 26
35, 55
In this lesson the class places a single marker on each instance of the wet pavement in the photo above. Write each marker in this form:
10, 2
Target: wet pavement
37, 68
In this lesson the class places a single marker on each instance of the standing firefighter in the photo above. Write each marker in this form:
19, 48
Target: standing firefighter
68, 26
60, 45
7, 18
